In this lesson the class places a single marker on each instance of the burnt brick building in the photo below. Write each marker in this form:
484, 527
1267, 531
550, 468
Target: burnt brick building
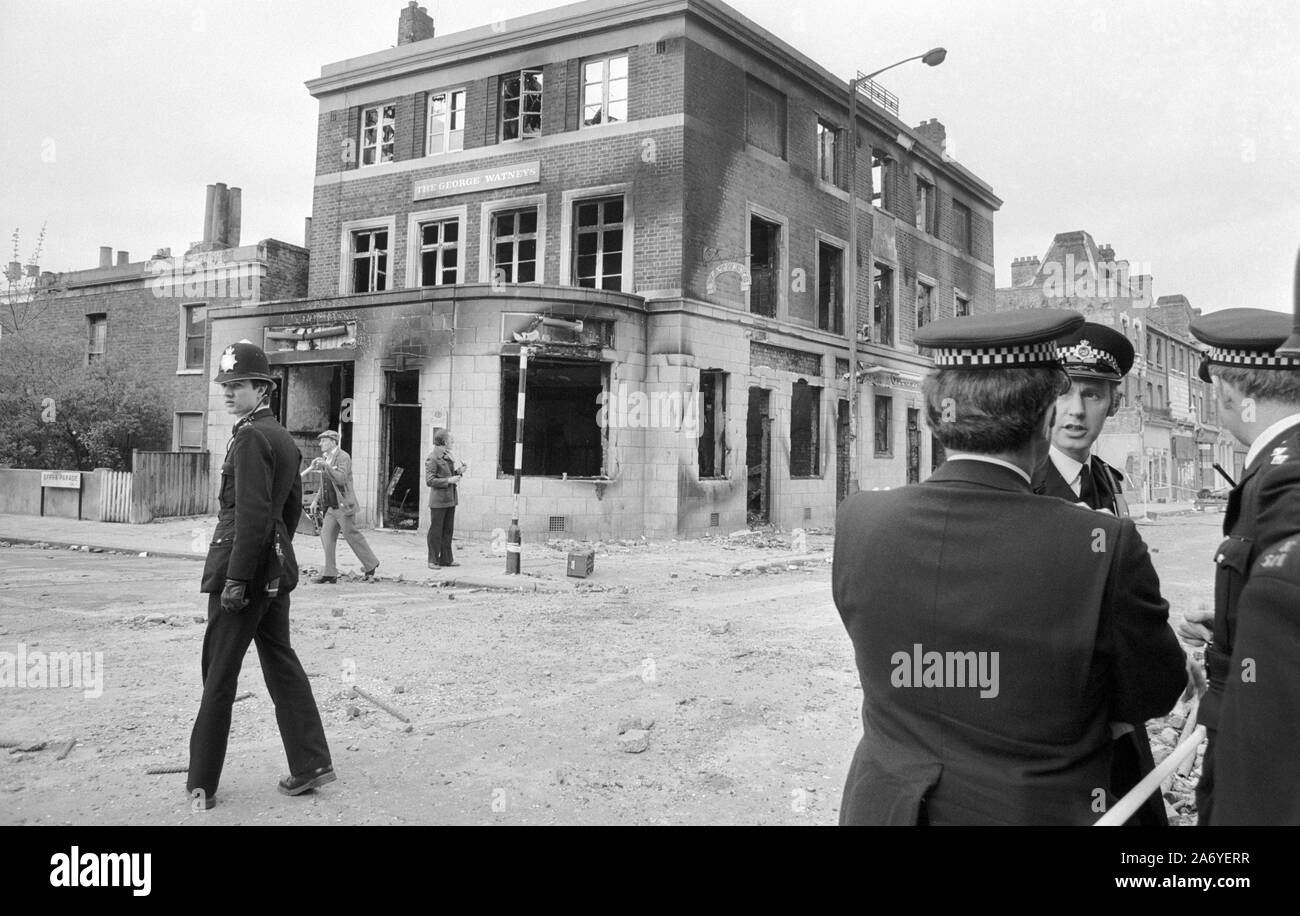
673, 177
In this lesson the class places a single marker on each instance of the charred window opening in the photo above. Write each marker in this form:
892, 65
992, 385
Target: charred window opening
764, 266
713, 423
830, 288
370, 261
562, 434
805, 430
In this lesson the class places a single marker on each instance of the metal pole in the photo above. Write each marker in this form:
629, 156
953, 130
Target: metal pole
851, 300
514, 543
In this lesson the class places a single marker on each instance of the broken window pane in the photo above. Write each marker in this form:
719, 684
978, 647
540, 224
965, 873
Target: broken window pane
561, 432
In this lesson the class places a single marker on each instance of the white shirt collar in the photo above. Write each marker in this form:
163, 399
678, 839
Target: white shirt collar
1268, 435
1068, 467
967, 456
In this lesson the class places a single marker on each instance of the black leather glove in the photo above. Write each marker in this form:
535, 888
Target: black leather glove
234, 596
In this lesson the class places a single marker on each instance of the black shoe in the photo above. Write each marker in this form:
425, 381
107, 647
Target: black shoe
435, 566
452, 563
324, 580
370, 573
296, 785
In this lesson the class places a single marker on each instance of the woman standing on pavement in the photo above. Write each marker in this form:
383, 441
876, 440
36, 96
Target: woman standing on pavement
442, 472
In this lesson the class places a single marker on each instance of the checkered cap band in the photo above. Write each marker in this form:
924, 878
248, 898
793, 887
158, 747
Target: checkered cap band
1026, 356
1252, 359
1084, 353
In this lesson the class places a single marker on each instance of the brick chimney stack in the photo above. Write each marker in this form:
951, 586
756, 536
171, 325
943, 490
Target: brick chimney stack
1106, 251
1023, 271
933, 133
414, 24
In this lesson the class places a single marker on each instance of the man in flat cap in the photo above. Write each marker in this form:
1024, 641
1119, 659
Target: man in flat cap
1251, 763
996, 633
338, 497
1097, 358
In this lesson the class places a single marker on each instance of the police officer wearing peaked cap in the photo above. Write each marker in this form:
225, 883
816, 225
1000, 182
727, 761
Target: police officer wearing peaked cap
1060, 603
1249, 771
1097, 358
249, 573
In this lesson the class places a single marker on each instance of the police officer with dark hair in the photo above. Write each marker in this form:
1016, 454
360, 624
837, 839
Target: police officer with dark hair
1249, 771
249, 573
996, 633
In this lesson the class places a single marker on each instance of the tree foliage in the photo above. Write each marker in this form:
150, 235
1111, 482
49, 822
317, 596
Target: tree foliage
59, 413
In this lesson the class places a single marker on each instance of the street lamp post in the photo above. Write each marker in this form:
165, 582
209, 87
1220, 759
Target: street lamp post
932, 58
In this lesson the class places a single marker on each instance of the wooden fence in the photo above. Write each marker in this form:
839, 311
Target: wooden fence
168, 484
115, 496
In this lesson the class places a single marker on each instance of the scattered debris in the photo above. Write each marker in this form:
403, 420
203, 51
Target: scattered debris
354, 712
163, 771
357, 691
635, 723
242, 696
719, 629
30, 748
67, 749
634, 742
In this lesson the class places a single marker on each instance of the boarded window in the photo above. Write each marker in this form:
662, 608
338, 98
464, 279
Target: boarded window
765, 118
805, 430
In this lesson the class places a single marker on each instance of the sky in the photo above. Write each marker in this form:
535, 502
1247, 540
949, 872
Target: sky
1170, 130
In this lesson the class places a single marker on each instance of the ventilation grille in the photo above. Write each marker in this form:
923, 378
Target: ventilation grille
557, 523
714, 521
661, 47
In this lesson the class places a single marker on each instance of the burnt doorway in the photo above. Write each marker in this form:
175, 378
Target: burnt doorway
842, 452
758, 457
913, 445
400, 419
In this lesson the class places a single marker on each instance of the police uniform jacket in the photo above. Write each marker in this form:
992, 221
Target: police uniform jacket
1106, 484
972, 560
260, 502
1254, 660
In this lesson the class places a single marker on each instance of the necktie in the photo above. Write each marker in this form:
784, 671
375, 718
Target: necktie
1087, 490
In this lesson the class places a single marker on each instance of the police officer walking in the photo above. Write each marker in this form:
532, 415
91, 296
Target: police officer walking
1252, 656
249, 573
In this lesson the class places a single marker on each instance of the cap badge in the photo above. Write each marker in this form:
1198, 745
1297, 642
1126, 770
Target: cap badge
1279, 455
228, 359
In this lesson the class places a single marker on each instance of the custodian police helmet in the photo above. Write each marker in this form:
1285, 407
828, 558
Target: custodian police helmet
243, 361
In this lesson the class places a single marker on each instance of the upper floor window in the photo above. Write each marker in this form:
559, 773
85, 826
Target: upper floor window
924, 304
882, 319
369, 260
514, 245
924, 205
439, 252
961, 306
192, 335
765, 118
377, 134
98, 327
598, 243
604, 91
961, 227
521, 105
446, 122
828, 152
882, 172
764, 266
830, 288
